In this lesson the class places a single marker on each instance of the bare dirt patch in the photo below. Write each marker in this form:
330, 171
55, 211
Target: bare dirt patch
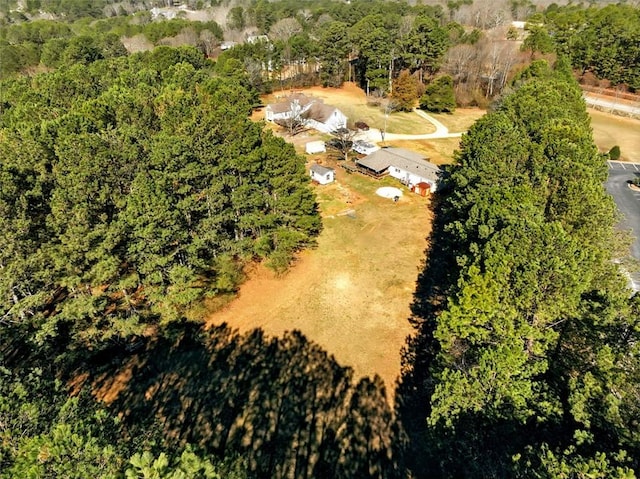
352, 293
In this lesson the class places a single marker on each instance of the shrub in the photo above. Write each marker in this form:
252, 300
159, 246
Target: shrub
614, 153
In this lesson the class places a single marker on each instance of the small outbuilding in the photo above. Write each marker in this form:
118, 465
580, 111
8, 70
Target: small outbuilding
322, 174
423, 188
313, 147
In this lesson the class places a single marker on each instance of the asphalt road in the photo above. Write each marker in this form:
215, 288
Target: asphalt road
628, 202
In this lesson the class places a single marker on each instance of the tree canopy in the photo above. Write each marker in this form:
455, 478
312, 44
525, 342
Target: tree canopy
128, 196
521, 357
599, 39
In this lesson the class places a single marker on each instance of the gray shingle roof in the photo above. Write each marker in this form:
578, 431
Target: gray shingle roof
320, 170
319, 112
406, 160
285, 104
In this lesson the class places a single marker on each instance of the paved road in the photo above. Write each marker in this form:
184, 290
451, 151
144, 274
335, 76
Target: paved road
628, 201
612, 105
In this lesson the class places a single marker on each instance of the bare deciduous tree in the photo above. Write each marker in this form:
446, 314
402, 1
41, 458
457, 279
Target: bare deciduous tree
187, 36
294, 122
497, 58
285, 29
208, 41
459, 62
137, 43
342, 141
485, 65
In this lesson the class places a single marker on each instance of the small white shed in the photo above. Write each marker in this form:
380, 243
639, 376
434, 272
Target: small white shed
322, 174
315, 147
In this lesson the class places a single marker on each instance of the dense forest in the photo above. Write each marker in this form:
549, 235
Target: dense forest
525, 363
602, 41
134, 189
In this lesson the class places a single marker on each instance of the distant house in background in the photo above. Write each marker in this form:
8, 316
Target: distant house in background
321, 174
312, 111
313, 147
257, 38
227, 45
409, 167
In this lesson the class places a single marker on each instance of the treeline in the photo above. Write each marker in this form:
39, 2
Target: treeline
526, 360
309, 43
603, 41
52, 44
367, 42
131, 189
20, 10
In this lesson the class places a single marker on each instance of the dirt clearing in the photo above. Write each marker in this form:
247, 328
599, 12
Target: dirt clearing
352, 293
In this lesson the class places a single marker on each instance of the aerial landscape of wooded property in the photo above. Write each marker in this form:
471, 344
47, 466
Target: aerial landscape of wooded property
319, 239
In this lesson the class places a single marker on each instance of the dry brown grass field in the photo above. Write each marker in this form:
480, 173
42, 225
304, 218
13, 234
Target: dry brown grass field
351, 294
610, 130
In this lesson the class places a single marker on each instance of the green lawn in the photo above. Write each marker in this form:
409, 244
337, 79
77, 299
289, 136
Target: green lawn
397, 122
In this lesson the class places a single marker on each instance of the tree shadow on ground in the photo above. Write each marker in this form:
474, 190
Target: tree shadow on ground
282, 403
416, 385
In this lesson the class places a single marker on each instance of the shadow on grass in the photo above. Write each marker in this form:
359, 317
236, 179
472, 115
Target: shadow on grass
416, 385
282, 403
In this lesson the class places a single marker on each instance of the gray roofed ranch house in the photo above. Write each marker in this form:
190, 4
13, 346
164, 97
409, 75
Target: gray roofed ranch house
407, 166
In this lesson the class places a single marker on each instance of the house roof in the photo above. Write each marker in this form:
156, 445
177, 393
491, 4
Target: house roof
312, 108
406, 160
321, 170
319, 112
285, 104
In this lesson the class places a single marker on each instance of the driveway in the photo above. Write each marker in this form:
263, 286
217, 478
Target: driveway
374, 135
628, 201
612, 105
